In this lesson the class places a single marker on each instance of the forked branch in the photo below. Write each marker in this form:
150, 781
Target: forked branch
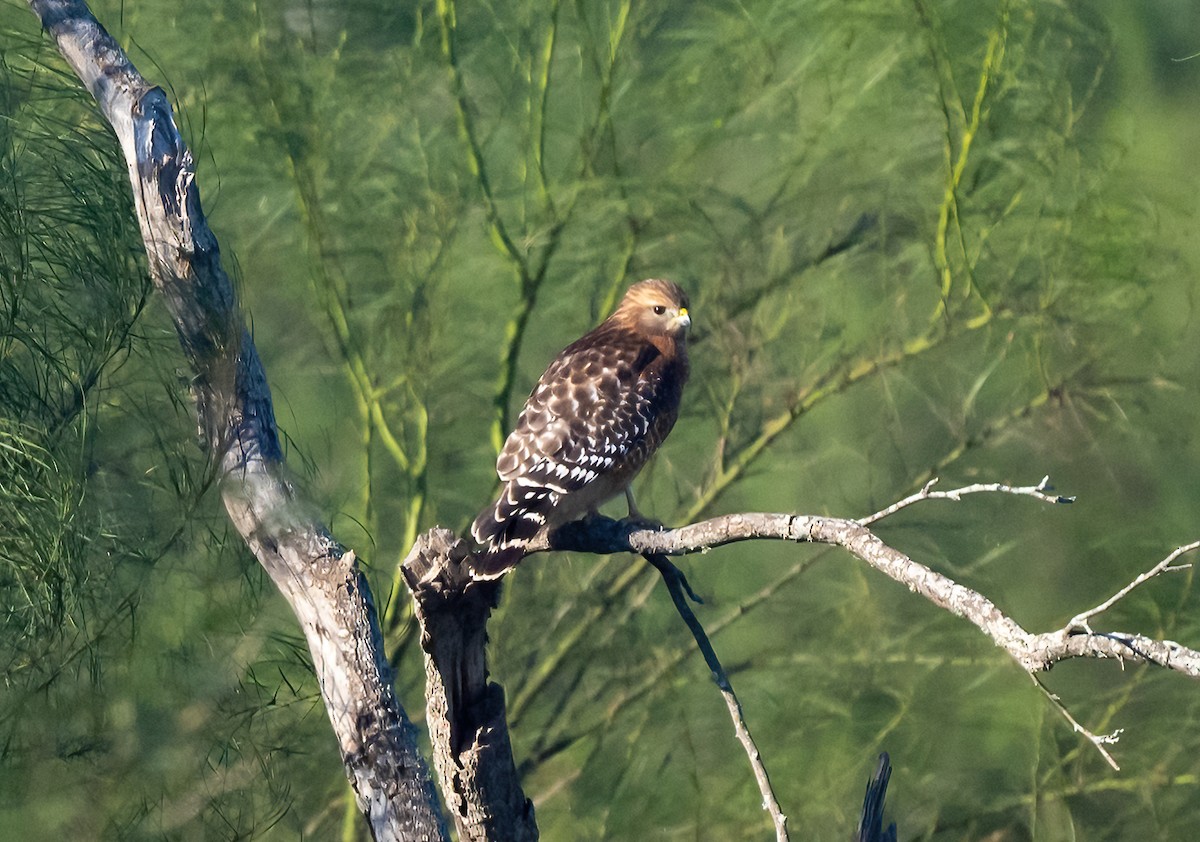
1035, 652
439, 559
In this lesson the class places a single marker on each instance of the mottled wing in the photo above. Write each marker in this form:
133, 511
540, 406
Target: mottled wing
597, 414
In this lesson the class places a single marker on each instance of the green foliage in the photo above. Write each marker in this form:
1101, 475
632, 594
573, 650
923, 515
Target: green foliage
921, 239
69, 295
101, 484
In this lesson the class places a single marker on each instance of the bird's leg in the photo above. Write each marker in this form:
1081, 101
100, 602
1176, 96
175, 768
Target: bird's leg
634, 514
637, 517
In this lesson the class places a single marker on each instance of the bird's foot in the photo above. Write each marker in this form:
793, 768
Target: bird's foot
640, 521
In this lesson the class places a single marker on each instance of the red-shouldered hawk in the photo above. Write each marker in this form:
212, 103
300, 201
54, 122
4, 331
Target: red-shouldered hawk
594, 418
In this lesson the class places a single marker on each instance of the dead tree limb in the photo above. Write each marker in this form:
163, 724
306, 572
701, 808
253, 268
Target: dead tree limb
453, 610
468, 721
318, 577
1034, 652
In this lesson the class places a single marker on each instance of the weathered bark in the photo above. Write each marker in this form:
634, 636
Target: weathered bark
468, 722
1034, 652
318, 577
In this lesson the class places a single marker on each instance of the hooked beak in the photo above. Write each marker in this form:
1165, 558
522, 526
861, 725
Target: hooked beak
683, 320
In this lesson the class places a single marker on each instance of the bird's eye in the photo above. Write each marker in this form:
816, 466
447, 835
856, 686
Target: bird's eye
659, 309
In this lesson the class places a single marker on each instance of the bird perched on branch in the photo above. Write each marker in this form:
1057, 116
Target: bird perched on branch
597, 414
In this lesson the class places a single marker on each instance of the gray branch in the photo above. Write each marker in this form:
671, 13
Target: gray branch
471, 746
319, 578
1034, 652
681, 592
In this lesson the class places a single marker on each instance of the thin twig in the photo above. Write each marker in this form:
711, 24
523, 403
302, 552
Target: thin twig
1080, 621
1038, 492
679, 589
1097, 740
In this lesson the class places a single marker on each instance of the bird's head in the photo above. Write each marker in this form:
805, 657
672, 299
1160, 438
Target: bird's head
656, 308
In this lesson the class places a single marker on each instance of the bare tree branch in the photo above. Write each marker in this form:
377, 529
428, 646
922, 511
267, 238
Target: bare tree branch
1099, 741
318, 577
1038, 492
1034, 652
1167, 565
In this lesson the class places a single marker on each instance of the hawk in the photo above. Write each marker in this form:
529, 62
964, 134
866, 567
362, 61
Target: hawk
594, 418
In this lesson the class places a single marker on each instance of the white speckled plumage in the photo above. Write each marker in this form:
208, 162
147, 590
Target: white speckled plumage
598, 413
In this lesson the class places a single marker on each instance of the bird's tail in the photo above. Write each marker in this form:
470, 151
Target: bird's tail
492, 564
506, 526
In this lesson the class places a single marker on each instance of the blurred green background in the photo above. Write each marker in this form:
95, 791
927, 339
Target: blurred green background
921, 239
